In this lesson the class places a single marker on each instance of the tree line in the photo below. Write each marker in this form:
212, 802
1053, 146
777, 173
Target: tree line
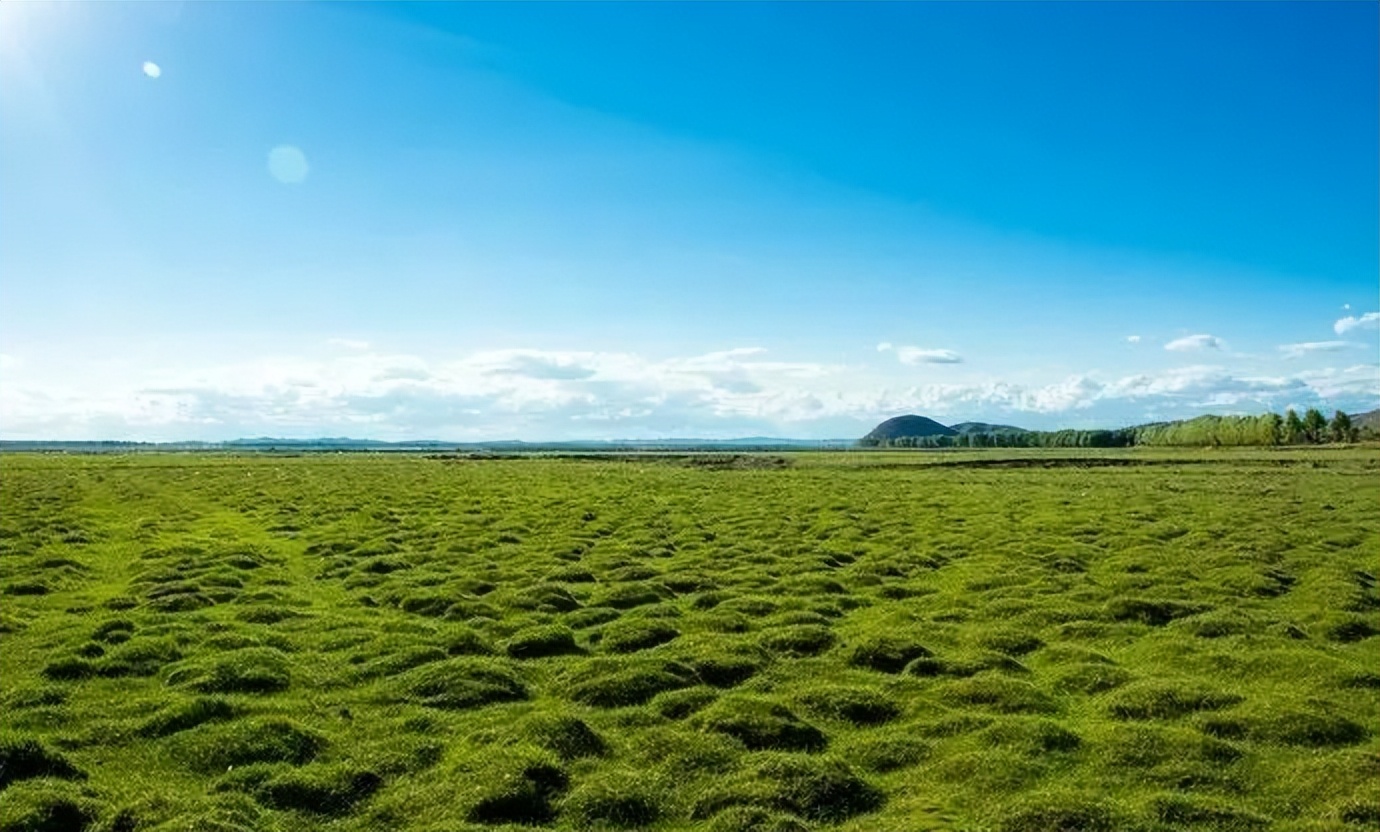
1313, 428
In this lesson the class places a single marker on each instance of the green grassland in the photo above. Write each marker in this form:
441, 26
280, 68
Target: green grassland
855, 641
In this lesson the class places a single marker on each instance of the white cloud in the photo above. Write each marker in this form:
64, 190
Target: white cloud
920, 355
1311, 347
1370, 320
1134, 339
8, 362
1194, 342
152, 69
547, 394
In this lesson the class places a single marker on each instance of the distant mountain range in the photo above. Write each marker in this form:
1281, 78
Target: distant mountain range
335, 444
899, 427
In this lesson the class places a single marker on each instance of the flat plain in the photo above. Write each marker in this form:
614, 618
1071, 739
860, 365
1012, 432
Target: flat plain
1002, 640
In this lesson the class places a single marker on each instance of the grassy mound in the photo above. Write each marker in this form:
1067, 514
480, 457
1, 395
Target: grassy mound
181, 716
566, 736
1063, 812
616, 683
759, 723
631, 635
323, 790
46, 806
24, 758
612, 800
821, 789
853, 704
456, 684
214, 748
540, 642
798, 640
1167, 700
886, 653
519, 788
252, 670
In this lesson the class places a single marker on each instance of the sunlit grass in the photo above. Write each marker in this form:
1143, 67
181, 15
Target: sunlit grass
852, 641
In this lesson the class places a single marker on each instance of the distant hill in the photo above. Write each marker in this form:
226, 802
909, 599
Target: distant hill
1368, 421
985, 427
907, 426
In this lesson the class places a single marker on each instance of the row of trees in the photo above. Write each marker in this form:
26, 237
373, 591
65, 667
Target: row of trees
1313, 428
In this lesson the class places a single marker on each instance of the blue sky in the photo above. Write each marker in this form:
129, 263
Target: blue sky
549, 221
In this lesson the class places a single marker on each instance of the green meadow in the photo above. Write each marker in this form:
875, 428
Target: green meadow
1015, 641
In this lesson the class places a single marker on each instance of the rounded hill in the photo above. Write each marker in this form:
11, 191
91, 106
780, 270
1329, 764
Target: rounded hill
901, 427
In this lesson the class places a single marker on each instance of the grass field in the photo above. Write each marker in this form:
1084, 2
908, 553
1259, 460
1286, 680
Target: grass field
876, 641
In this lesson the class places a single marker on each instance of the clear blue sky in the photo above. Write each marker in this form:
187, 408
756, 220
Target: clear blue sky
571, 220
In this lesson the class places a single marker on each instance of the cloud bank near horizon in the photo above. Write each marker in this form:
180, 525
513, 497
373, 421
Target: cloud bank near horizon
358, 390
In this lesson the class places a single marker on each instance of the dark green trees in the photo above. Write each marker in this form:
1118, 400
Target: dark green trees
1314, 426
1340, 429
1292, 433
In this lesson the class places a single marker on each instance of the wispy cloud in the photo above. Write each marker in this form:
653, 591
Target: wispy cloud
1370, 320
1311, 347
1134, 339
921, 355
1189, 343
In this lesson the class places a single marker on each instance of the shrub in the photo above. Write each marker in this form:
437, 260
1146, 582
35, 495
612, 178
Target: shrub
759, 724
467, 682
889, 654
631, 635
540, 642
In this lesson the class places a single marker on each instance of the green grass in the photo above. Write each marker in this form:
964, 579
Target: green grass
850, 641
